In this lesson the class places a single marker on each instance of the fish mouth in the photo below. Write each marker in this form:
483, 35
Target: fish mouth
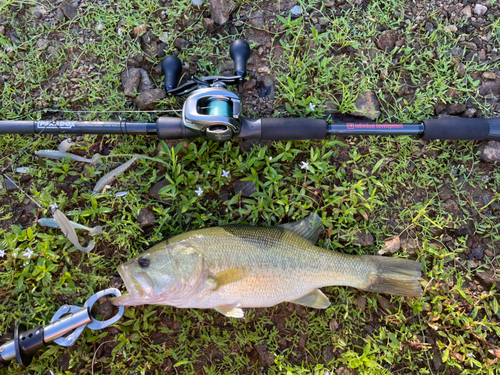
133, 286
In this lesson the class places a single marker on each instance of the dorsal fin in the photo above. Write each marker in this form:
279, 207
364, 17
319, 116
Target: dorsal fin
307, 228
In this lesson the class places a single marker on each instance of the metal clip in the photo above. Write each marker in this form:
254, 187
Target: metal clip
94, 323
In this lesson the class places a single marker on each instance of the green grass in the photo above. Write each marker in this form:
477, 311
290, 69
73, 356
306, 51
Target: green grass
356, 183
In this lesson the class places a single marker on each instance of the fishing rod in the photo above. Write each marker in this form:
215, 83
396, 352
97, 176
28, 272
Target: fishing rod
213, 112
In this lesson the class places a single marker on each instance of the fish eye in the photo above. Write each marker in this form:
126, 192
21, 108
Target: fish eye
143, 262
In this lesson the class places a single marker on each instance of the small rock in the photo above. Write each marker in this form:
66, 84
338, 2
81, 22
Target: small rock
391, 245
384, 303
147, 100
264, 69
139, 30
42, 43
8, 183
454, 109
472, 263
70, 11
429, 27
296, 11
410, 245
482, 54
257, 19
452, 207
488, 279
250, 84
437, 359
461, 70
439, 107
478, 252
267, 88
52, 50
219, 10
246, 188
450, 29
154, 191
469, 45
146, 218
470, 112
328, 353
130, 81
367, 105
445, 193
480, 10
105, 308
363, 238
490, 87
387, 40
490, 151
146, 83
180, 43
489, 76
361, 303
208, 24
59, 14
467, 11
2, 30
266, 358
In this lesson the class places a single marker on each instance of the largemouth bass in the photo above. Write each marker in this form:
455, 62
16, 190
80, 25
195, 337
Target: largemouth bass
235, 266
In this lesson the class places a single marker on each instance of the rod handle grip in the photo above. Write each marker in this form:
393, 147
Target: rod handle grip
462, 129
293, 129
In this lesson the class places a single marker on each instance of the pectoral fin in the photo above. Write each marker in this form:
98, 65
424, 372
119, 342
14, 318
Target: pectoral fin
307, 228
315, 299
228, 276
232, 311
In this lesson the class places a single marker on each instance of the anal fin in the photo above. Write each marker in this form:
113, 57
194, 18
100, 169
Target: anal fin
232, 311
315, 299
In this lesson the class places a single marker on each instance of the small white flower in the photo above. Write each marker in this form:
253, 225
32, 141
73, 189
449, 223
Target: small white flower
305, 166
53, 206
199, 191
208, 172
2, 253
225, 173
471, 355
270, 158
312, 106
119, 31
28, 253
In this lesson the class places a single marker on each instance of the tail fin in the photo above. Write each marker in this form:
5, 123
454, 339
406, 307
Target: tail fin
394, 276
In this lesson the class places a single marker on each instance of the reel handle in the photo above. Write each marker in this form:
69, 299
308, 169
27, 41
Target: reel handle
240, 52
171, 67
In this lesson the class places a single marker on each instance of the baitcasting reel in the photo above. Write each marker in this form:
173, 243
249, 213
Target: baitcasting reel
211, 110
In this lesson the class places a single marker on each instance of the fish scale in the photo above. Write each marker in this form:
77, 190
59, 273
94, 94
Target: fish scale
232, 267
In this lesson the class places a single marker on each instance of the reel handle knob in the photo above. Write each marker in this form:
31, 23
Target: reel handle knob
240, 52
171, 67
